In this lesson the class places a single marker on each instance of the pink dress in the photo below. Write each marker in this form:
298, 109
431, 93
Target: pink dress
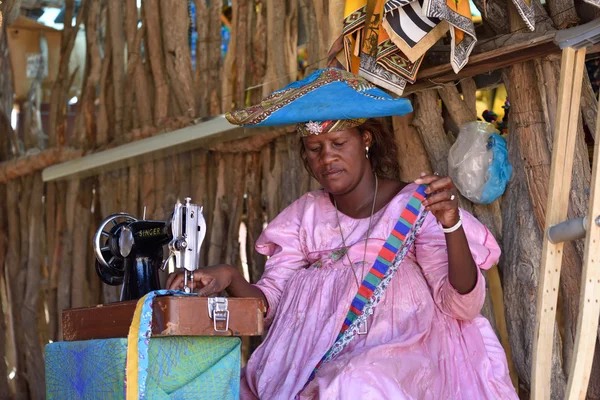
424, 340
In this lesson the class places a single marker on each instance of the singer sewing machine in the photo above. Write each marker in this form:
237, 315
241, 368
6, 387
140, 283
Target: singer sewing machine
130, 251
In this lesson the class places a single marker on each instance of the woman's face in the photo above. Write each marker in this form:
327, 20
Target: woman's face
337, 159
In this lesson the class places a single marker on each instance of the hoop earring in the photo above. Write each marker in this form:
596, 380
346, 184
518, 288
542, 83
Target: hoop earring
367, 152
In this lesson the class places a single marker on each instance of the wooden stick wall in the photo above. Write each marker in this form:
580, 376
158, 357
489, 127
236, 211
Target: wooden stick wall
139, 81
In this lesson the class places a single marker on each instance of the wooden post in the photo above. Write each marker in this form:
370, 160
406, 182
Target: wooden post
155, 52
34, 361
556, 212
177, 54
589, 299
4, 386
115, 19
412, 157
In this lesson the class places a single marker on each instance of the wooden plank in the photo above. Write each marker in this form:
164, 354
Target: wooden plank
489, 61
486, 62
589, 299
173, 316
558, 202
496, 292
204, 134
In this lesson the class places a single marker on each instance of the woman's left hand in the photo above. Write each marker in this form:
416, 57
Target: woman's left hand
442, 199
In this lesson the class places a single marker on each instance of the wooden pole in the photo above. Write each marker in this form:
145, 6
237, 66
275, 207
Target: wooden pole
242, 52
227, 78
55, 227
589, 300
34, 360
563, 13
94, 70
217, 230
177, 56
412, 156
81, 241
102, 120
556, 212
214, 58
115, 19
155, 53
4, 386
57, 125
202, 71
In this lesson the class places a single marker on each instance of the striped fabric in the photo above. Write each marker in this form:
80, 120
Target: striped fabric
381, 269
411, 29
391, 4
458, 14
409, 23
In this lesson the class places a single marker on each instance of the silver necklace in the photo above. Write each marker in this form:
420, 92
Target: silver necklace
362, 330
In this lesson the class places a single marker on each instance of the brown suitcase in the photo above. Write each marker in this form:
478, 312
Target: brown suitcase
172, 316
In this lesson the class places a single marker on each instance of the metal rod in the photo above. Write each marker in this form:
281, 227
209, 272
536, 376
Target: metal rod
567, 231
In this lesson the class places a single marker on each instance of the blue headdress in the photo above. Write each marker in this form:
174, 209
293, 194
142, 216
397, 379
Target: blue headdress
326, 101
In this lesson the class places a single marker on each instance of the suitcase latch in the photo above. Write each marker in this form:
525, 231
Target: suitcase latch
217, 310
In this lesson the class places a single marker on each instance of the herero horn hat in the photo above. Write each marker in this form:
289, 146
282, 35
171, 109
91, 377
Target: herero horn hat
326, 101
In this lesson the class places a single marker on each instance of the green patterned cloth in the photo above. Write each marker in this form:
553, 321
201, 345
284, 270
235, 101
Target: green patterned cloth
179, 368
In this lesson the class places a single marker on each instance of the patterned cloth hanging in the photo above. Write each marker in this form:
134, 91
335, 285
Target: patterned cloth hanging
355, 14
392, 59
526, 10
370, 52
385, 41
458, 14
410, 30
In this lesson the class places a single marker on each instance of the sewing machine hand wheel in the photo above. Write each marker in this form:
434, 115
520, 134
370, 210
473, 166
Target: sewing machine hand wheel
109, 263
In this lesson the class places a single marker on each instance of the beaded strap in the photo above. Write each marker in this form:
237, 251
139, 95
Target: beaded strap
379, 276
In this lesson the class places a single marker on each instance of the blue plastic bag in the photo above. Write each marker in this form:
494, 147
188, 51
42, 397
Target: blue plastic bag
478, 162
500, 170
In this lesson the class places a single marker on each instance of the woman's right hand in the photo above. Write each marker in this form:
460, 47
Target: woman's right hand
207, 280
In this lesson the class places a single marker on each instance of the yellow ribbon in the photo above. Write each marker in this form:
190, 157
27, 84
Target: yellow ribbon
132, 365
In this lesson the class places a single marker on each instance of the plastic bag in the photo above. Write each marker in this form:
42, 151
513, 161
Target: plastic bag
478, 162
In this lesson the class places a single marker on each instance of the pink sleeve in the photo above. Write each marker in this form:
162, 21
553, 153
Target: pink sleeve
432, 256
280, 241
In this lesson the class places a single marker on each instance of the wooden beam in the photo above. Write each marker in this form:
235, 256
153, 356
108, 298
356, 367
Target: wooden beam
32, 163
569, 97
485, 62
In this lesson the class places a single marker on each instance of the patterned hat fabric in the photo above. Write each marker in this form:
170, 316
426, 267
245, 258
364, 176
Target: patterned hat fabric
328, 100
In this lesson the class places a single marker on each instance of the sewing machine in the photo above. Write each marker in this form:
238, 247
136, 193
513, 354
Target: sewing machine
203, 333
130, 251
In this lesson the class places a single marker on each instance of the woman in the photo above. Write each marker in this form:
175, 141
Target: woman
425, 339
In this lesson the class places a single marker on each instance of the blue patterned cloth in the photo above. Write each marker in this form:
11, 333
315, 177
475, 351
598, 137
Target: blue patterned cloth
168, 367
179, 368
